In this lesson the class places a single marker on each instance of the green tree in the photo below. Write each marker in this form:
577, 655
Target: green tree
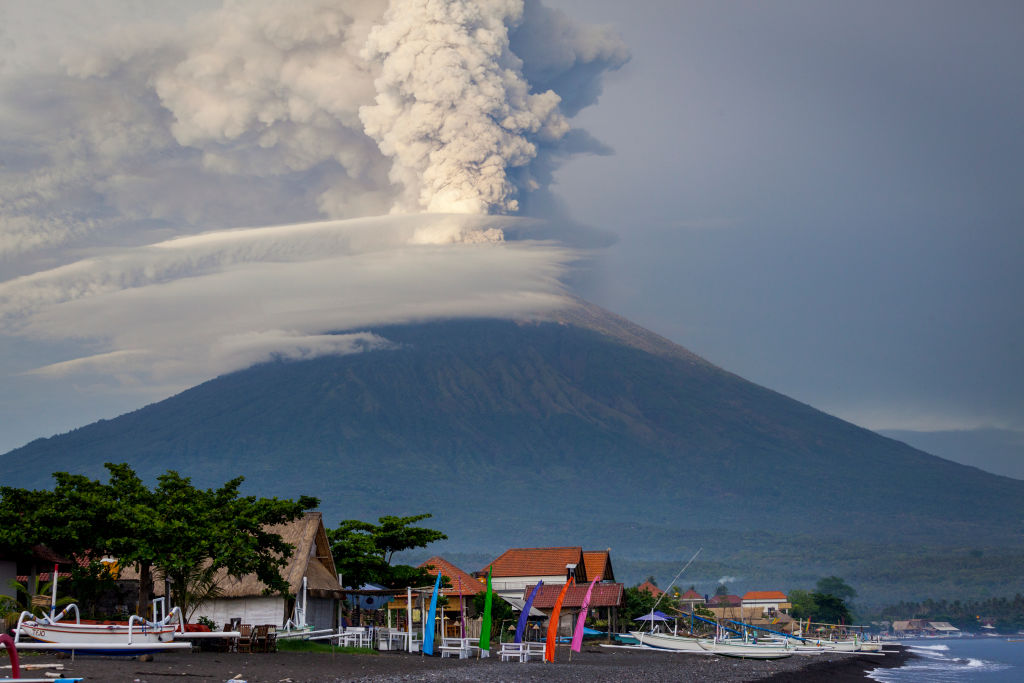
803, 605
636, 603
829, 609
363, 551
721, 589
501, 612
833, 585
174, 527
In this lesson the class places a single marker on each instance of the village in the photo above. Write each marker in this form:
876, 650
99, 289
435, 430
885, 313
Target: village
316, 604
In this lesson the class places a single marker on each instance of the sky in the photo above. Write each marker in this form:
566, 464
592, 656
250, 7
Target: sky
823, 198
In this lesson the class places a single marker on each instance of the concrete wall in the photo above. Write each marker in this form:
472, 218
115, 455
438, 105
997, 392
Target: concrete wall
8, 573
255, 610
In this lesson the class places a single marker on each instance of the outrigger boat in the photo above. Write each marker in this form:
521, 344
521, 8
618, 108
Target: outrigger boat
746, 650
667, 641
137, 636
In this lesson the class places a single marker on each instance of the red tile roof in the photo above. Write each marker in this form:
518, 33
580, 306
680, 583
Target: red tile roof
691, 595
599, 564
650, 588
535, 561
724, 600
604, 595
765, 595
462, 583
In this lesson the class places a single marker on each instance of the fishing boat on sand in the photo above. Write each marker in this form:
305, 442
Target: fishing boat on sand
746, 650
136, 636
667, 641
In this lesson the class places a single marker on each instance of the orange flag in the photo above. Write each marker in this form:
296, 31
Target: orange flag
549, 646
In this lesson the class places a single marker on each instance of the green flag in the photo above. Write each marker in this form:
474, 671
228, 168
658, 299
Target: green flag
485, 624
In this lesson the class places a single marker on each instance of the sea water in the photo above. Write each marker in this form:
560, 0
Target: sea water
983, 659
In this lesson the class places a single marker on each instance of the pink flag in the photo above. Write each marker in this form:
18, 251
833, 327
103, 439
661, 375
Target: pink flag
577, 635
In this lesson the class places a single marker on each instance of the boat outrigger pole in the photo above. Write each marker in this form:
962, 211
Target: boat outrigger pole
676, 578
768, 630
716, 624
53, 592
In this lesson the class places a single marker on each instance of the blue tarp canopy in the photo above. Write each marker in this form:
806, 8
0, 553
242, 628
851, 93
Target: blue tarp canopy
656, 615
371, 602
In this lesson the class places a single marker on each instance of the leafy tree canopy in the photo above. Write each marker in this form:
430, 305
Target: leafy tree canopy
174, 527
363, 551
636, 603
819, 607
501, 613
830, 609
833, 585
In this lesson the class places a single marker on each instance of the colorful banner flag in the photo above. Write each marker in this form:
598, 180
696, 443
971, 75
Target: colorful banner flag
577, 635
428, 628
485, 623
549, 645
524, 616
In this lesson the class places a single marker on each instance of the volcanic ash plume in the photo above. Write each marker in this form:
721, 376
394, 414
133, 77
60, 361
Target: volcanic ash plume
301, 167
452, 107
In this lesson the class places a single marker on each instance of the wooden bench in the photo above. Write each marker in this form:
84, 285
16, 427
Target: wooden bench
534, 650
461, 647
511, 651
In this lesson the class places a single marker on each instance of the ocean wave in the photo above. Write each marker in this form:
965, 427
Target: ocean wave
930, 647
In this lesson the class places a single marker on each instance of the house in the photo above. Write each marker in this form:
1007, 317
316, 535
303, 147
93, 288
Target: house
517, 568
464, 585
690, 600
310, 574
459, 596
598, 563
904, 628
649, 587
605, 600
770, 602
944, 628
29, 569
727, 607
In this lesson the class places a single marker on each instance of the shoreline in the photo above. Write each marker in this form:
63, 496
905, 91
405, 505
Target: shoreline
592, 664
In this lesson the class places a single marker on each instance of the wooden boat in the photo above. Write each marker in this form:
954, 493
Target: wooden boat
137, 636
746, 650
667, 641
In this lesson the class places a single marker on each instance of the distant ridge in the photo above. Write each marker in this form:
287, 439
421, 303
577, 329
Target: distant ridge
582, 429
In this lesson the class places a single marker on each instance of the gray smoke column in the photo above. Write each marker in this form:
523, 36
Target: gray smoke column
453, 109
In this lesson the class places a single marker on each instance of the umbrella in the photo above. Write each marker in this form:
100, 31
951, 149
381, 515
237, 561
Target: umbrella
653, 616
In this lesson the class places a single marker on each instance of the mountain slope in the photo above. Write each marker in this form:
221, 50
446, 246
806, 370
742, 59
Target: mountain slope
589, 427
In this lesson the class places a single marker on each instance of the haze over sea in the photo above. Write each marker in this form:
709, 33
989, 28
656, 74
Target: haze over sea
985, 660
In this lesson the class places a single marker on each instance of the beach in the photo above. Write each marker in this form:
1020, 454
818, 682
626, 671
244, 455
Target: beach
594, 663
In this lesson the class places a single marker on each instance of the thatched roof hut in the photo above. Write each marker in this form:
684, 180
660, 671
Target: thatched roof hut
243, 597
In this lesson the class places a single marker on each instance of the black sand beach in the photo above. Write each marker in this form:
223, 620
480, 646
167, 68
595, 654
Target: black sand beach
593, 664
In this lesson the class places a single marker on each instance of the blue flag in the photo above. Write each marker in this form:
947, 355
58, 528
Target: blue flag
526, 613
428, 630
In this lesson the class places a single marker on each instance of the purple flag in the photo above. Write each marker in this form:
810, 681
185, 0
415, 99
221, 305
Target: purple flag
577, 635
526, 613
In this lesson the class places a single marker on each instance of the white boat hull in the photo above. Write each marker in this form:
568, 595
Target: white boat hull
91, 634
667, 641
746, 650
114, 639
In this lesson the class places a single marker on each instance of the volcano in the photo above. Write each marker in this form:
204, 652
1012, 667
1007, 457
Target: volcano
581, 429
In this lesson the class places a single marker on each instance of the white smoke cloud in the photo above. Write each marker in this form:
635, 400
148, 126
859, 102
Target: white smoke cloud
273, 111
136, 141
452, 107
